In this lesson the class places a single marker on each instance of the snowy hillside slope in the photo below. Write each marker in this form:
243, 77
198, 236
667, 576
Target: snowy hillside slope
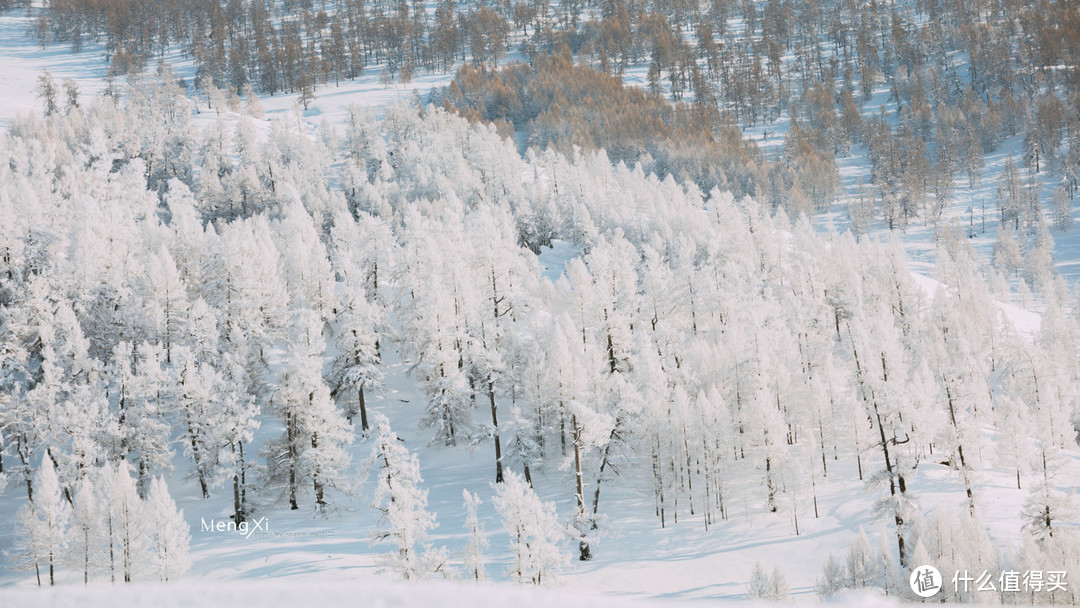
634, 557
969, 206
21, 62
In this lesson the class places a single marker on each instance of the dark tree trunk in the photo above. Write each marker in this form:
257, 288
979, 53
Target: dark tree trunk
363, 409
584, 552
495, 426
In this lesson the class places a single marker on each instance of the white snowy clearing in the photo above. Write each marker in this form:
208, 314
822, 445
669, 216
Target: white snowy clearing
332, 592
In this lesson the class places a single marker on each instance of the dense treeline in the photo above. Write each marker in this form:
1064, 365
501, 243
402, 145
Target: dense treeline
721, 356
963, 77
564, 105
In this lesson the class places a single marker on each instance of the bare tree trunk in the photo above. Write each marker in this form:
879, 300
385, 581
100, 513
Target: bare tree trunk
495, 427
584, 553
238, 515
289, 431
363, 408
195, 454
658, 479
604, 461
316, 481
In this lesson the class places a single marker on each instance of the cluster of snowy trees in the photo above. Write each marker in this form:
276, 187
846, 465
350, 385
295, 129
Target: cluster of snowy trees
532, 526
164, 289
102, 528
963, 79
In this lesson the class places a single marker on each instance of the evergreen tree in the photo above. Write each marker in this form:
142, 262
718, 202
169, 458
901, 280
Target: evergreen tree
86, 539
129, 536
43, 524
834, 579
535, 533
312, 444
474, 550
171, 536
1046, 506
404, 521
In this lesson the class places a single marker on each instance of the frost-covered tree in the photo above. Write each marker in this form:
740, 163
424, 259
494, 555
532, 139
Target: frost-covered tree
86, 539
171, 536
42, 525
312, 444
534, 529
47, 91
304, 264
1046, 507
861, 564
234, 426
474, 550
356, 366
434, 303
197, 399
780, 590
167, 298
1013, 445
771, 587
141, 391
565, 390
404, 521
760, 587
500, 276
834, 578
888, 387
128, 526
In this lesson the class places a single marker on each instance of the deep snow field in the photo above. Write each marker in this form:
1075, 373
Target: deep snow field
636, 562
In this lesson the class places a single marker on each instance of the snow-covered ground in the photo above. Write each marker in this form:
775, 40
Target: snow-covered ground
22, 62
332, 592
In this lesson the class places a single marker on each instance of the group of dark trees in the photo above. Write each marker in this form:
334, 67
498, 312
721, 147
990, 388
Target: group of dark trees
558, 103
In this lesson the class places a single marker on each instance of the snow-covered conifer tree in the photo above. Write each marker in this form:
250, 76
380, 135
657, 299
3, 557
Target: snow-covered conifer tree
434, 304
1013, 445
197, 399
86, 539
234, 426
760, 587
43, 524
861, 566
167, 296
1046, 507
404, 522
833, 579
356, 366
305, 266
141, 390
312, 444
534, 529
887, 385
130, 538
171, 536
474, 550
780, 591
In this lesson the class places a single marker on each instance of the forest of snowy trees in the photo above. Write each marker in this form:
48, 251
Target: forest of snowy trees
214, 305
963, 78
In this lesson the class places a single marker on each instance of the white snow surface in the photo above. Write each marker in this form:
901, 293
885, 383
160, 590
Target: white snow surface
328, 593
22, 62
